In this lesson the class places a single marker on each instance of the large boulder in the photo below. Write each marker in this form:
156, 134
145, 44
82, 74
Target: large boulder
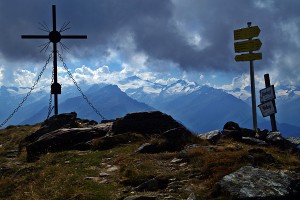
65, 120
154, 122
65, 139
232, 130
253, 183
172, 140
232, 126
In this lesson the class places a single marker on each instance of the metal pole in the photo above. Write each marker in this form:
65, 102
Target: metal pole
272, 116
55, 62
252, 79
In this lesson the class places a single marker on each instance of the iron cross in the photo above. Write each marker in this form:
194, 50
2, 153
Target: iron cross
54, 37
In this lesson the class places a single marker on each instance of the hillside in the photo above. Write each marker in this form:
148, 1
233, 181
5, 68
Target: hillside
139, 156
199, 107
109, 100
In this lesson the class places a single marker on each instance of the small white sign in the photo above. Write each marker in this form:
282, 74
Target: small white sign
267, 108
267, 94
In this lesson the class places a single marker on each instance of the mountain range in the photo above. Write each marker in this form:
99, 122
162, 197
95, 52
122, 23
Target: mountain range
201, 108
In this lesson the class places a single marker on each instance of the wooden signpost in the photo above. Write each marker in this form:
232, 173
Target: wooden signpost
249, 45
246, 33
245, 46
267, 100
248, 57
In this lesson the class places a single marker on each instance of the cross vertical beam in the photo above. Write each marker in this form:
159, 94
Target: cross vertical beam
54, 37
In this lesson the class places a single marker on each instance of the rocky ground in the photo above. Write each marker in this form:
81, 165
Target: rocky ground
145, 156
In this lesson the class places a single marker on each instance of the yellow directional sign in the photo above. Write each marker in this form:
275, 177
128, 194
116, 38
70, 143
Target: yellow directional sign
249, 45
246, 33
248, 57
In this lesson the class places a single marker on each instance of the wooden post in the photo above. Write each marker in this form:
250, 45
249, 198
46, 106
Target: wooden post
272, 116
252, 79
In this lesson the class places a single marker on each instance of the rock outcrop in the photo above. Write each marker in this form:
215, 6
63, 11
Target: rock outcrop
233, 131
254, 183
65, 139
62, 132
154, 122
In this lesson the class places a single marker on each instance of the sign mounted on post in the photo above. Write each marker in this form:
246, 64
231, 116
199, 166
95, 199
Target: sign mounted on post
268, 108
248, 57
249, 45
267, 100
267, 94
246, 33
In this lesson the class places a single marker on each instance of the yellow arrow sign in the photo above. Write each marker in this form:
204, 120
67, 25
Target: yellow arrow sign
246, 33
250, 45
248, 57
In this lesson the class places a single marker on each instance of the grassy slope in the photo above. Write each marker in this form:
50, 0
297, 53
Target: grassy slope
75, 174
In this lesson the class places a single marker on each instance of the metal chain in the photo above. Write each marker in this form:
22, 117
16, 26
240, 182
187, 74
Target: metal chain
50, 99
28, 94
78, 88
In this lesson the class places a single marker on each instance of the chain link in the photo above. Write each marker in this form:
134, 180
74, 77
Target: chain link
50, 99
78, 88
28, 94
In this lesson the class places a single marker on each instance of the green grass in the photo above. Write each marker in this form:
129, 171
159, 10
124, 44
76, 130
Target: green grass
63, 175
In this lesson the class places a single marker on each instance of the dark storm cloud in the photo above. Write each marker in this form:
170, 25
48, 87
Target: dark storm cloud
155, 27
100, 20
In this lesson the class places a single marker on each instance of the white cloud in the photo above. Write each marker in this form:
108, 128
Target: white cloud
240, 82
167, 81
1, 75
201, 76
24, 78
264, 3
290, 30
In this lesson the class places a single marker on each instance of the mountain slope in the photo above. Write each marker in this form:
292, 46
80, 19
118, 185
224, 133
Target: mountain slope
208, 109
110, 101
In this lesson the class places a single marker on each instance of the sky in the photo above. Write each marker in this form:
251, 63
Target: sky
157, 40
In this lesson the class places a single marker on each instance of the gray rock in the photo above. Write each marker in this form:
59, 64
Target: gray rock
150, 185
172, 140
262, 134
275, 138
253, 141
213, 136
232, 126
141, 197
295, 141
110, 140
147, 148
103, 174
65, 120
63, 139
176, 160
248, 132
154, 122
232, 134
175, 186
254, 183
192, 197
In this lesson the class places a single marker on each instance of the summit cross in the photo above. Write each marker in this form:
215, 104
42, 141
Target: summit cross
54, 37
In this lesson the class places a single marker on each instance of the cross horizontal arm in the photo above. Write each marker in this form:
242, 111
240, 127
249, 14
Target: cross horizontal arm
35, 36
74, 36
